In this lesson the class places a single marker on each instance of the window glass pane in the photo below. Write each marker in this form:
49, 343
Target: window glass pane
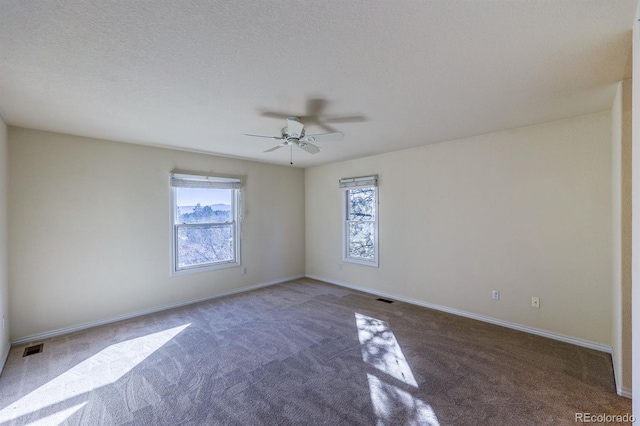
196, 205
361, 240
199, 245
361, 204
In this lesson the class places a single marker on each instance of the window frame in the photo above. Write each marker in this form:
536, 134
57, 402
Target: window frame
236, 224
346, 221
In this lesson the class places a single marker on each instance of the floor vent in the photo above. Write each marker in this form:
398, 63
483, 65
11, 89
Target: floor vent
30, 350
384, 300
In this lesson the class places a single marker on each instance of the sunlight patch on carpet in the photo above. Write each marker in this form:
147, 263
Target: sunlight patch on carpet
59, 417
390, 402
101, 369
379, 348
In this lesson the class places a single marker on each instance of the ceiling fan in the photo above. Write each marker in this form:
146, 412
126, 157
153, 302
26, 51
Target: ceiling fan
294, 134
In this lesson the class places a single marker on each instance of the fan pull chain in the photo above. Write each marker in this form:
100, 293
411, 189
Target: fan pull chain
291, 154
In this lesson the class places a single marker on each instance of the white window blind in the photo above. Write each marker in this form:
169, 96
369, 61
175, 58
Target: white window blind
359, 181
206, 182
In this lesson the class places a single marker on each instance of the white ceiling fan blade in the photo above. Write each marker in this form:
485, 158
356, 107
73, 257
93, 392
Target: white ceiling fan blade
294, 127
274, 148
345, 119
268, 137
309, 147
324, 137
278, 115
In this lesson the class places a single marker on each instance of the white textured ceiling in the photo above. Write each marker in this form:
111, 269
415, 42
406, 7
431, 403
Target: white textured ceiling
198, 74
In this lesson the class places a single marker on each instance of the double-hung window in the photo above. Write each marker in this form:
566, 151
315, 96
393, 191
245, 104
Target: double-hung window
360, 233
206, 222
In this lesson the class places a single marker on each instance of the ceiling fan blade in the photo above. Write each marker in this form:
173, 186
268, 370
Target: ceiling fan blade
268, 137
274, 114
325, 126
345, 119
315, 107
309, 147
324, 137
274, 148
294, 127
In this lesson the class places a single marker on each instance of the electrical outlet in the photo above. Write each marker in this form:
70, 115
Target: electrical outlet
244, 271
495, 295
535, 302
4, 323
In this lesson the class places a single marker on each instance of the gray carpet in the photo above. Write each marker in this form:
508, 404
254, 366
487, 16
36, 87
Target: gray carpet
305, 352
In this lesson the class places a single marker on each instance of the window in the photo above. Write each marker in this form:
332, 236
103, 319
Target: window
360, 235
206, 222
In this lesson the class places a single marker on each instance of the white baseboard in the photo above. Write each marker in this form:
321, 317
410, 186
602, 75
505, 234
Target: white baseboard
4, 357
61, 331
507, 324
620, 390
623, 392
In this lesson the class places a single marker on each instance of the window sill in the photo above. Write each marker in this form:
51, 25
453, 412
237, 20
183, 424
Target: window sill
205, 268
373, 263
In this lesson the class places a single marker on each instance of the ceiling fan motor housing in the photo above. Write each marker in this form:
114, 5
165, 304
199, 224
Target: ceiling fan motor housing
287, 135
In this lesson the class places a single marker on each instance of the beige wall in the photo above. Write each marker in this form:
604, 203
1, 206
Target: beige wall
89, 234
4, 218
524, 211
621, 202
